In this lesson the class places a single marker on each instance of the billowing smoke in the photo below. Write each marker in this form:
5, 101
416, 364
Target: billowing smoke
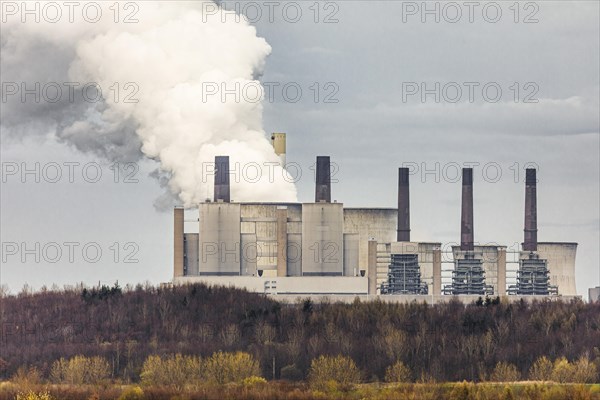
162, 80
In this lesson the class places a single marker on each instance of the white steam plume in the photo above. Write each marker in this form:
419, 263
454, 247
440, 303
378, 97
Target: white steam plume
174, 49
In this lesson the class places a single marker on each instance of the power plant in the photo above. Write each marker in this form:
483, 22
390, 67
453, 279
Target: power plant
291, 250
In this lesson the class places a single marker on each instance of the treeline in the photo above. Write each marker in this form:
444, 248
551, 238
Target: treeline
447, 342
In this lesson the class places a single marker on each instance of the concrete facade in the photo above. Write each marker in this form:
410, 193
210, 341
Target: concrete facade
329, 288
322, 239
281, 241
594, 294
284, 239
276, 239
351, 242
370, 223
190, 254
290, 285
219, 238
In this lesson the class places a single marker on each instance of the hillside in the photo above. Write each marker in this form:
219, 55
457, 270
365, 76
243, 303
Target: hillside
449, 342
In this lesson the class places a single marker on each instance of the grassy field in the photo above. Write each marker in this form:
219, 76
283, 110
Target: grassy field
297, 391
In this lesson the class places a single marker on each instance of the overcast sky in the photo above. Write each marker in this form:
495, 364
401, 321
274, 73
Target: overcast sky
368, 118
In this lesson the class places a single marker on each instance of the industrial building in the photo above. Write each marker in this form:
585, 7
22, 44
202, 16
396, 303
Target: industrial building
594, 294
320, 249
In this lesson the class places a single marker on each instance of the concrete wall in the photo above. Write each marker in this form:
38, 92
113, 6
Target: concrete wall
327, 288
281, 241
594, 294
351, 254
190, 253
561, 264
290, 285
322, 239
294, 240
376, 223
428, 299
220, 239
248, 254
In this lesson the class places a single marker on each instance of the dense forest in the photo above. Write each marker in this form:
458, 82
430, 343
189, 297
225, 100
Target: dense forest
447, 342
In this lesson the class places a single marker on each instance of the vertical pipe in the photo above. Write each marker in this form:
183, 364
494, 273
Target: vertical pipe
530, 242
323, 180
178, 242
466, 220
403, 231
222, 188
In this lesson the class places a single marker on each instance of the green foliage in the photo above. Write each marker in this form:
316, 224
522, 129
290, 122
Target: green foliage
505, 372
175, 370
223, 368
132, 393
398, 372
80, 370
541, 370
291, 373
339, 370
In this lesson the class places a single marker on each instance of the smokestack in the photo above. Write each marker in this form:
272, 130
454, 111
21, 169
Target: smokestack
323, 187
178, 242
403, 231
466, 218
222, 188
530, 243
278, 143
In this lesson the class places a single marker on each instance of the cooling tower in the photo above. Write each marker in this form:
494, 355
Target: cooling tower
466, 219
323, 180
222, 187
403, 231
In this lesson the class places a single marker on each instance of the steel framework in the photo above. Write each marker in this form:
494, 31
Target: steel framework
404, 276
468, 278
533, 278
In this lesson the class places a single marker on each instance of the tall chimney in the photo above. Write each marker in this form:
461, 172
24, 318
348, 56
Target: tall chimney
278, 142
222, 188
403, 231
466, 218
323, 187
530, 243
